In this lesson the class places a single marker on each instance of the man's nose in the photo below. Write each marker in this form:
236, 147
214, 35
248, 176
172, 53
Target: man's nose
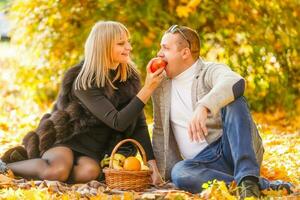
160, 53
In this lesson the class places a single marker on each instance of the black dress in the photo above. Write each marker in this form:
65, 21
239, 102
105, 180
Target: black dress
120, 116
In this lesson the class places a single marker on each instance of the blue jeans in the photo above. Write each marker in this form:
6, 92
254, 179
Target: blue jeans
238, 153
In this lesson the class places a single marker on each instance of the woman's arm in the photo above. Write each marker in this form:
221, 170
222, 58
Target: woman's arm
97, 103
141, 134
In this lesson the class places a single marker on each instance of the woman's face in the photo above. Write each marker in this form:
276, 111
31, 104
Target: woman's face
121, 51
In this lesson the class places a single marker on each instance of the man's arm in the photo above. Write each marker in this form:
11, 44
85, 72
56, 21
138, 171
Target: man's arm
226, 86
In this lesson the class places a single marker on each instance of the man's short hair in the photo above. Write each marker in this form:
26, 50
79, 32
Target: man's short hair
188, 36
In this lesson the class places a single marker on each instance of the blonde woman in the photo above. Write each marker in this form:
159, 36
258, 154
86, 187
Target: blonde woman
100, 103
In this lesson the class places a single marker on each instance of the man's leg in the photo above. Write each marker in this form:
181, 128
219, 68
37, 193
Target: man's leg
230, 158
237, 155
241, 143
208, 165
242, 146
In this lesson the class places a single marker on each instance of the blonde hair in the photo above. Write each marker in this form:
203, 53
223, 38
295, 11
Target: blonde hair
98, 57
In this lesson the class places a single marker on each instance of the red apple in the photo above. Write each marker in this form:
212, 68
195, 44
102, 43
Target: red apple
157, 63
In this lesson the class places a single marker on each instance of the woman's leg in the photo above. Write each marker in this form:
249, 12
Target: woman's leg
85, 170
55, 164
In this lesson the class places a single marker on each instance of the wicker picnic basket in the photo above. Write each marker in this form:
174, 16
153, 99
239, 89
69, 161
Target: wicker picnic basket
124, 179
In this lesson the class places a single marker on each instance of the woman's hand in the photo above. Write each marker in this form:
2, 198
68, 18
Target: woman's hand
152, 81
156, 177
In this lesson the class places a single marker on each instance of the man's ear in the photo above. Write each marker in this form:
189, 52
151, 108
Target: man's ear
186, 53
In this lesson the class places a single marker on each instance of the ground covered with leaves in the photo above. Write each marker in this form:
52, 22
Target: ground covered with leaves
281, 161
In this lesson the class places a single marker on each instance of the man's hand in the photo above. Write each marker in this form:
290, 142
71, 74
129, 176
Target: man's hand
197, 126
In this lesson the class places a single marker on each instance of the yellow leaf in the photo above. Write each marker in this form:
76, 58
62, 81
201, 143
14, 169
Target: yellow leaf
183, 11
116, 197
194, 3
4, 179
128, 196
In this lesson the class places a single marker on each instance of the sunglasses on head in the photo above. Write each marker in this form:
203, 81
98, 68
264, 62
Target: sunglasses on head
176, 29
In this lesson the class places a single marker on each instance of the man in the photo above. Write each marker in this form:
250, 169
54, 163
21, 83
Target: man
203, 129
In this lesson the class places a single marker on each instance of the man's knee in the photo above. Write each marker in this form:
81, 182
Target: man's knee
237, 105
180, 180
183, 177
236, 111
178, 167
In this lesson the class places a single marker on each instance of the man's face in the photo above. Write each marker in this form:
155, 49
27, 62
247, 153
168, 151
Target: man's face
169, 52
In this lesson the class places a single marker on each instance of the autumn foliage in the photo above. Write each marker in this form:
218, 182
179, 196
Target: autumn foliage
258, 39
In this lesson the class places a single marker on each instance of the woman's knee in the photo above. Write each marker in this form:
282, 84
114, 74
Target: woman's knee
87, 169
59, 164
58, 173
90, 171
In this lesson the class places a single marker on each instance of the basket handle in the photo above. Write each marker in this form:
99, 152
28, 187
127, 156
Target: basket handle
137, 144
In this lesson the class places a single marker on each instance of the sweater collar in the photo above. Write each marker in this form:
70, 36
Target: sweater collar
189, 72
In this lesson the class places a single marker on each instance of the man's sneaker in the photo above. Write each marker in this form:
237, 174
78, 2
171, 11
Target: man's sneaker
280, 185
3, 167
249, 188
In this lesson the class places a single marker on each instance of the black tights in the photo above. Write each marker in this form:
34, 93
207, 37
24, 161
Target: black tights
57, 164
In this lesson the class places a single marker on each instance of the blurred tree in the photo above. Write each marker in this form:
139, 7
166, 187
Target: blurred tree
3, 3
259, 39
